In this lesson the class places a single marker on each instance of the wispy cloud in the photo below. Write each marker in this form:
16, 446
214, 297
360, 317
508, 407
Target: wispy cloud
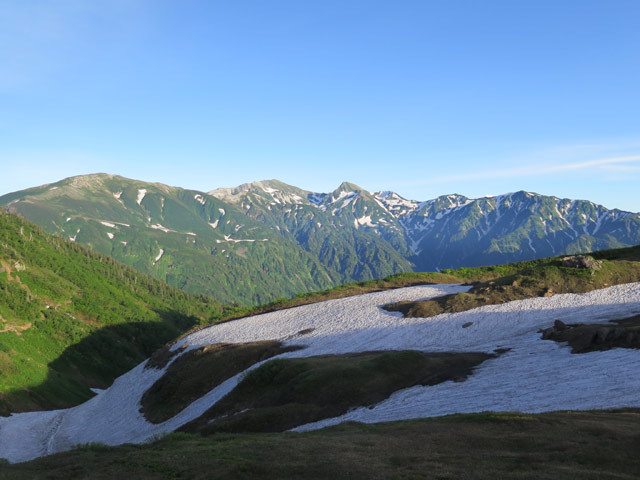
629, 163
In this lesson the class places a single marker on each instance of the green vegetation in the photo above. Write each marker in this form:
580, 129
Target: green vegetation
197, 371
266, 240
71, 318
560, 445
584, 338
287, 392
517, 281
209, 246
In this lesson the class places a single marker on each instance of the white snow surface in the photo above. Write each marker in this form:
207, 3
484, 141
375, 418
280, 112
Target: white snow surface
141, 193
158, 257
536, 375
365, 220
158, 226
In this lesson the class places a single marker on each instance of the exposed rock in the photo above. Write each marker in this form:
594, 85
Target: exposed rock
585, 338
581, 261
602, 334
547, 333
467, 325
559, 325
502, 350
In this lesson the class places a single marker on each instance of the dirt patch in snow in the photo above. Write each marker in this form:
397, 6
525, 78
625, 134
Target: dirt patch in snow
197, 371
287, 392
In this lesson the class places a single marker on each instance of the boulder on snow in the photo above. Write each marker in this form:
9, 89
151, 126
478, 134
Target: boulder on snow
559, 325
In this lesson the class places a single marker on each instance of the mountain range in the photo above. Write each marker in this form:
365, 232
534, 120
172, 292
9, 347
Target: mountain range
264, 240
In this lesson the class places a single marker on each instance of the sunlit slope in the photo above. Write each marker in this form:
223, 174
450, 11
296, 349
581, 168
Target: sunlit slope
191, 240
72, 318
264, 240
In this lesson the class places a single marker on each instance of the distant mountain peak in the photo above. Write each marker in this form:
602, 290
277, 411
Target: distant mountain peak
267, 226
349, 187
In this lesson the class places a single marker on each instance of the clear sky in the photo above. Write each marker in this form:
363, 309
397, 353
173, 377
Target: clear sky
420, 97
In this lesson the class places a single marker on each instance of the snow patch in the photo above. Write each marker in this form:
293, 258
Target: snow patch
157, 226
535, 376
110, 235
366, 220
200, 199
141, 193
158, 257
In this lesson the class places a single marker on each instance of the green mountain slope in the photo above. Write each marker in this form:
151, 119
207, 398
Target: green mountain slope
191, 240
453, 231
71, 318
265, 240
335, 228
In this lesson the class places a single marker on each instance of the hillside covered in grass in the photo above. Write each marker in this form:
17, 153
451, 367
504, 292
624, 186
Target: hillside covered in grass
545, 277
71, 318
325, 363
264, 240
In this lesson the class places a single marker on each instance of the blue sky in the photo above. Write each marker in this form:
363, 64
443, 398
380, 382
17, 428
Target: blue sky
420, 97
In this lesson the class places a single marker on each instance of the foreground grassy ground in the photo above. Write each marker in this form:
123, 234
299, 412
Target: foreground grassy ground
585, 445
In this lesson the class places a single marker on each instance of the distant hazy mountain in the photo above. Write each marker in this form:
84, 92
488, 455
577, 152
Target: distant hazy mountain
267, 239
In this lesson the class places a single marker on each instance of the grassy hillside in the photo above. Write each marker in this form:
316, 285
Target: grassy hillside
203, 244
257, 242
516, 281
566, 445
71, 318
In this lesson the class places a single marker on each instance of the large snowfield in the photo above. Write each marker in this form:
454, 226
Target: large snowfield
535, 375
